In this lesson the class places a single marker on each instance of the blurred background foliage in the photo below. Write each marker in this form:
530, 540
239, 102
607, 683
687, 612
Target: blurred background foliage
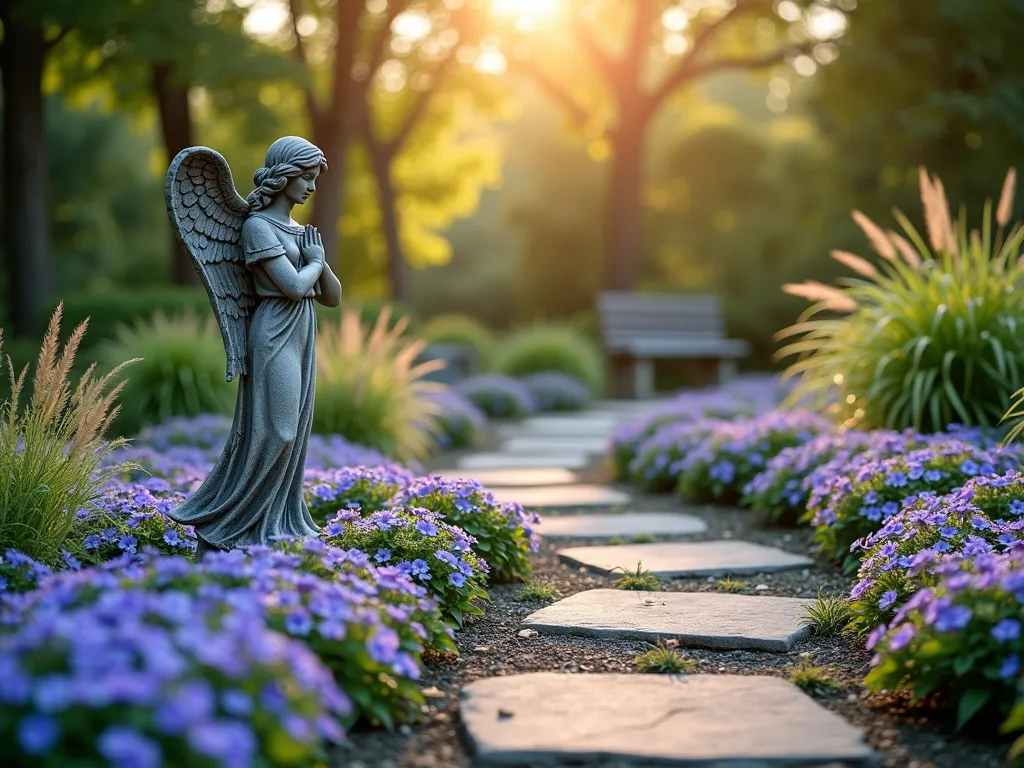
471, 183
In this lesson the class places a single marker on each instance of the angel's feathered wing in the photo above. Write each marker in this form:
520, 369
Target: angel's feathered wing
207, 214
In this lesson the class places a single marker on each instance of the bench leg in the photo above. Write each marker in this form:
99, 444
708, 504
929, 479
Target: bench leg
643, 379
726, 370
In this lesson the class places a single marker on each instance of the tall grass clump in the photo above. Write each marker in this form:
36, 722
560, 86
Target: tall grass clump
560, 348
180, 370
52, 445
929, 337
462, 331
371, 390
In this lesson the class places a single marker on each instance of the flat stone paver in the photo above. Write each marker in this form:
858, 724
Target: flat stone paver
669, 560
516, 478
562, 426
705, 721
518, 461
564, 496
625, 524
701, 619
540, 444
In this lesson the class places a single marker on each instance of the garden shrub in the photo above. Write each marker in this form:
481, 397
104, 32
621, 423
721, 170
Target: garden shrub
780, 492
365, 489
419, 543
503, 532
104, 672
551, 348
982, 517
52, 450
498, 396
462, 331
20, 573
627, 438
854, 498
961, 638
554, 391
656, 465
460, 422
180, 370
929, 336
371, 391
722, 465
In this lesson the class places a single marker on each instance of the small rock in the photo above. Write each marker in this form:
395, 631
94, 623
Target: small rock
481, 649
726, 534
433, 692
405, 730
761, 588
528, 633
504, 714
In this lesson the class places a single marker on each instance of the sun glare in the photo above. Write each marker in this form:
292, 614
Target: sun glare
536, 9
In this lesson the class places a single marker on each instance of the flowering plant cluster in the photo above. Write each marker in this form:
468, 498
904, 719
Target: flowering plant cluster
655, 466
20, 573
962, 636
502, 397
366, 489
133, 678
983, 517
854, 498
419, 543
557, 391
127, 520
722, 465
459, 421
503, 532
780, 492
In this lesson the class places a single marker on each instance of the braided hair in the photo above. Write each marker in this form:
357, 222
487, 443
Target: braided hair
288, 157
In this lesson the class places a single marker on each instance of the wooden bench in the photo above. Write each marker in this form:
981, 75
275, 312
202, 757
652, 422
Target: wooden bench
637, 328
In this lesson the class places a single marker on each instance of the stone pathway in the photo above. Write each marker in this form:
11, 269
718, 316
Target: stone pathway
671, 560
700, 619
549, 718
616, 525
544, 718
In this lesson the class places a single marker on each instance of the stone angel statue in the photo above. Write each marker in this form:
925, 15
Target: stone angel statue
262, 272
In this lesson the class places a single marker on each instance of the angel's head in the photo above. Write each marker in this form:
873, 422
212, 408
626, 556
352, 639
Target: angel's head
291, 168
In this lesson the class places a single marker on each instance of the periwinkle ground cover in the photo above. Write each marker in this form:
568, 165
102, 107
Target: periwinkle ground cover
460, 421
366, 489
721, 465
854, 498
962, 637
557, 391
502, 397
504, 533
655, 466
985, 516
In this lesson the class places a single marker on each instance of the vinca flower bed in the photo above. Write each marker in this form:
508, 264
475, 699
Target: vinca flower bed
724, 463
365, 489
503, 533
981, 518
556, 391
459, 420
502, 397
656, 465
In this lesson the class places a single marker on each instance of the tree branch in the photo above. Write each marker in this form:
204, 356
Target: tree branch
300, 53
767, 59
383, 34
552, 88
60, 36
603, 60
415, 112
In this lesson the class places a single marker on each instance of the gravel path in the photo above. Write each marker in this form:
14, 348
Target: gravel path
904, 736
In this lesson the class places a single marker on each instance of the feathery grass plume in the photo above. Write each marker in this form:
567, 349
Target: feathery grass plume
856, 263
1005, 209
371, 389
51, 449
875, 236
932, 339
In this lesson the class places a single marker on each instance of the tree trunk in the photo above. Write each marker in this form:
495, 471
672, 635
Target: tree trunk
176, 127
623, 233
332, 131
387, 199
25, 171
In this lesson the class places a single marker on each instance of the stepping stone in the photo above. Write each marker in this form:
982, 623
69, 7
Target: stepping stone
539, 444
501, 478
670, 560
564, 426
607, 526
700, 619
520, 461
754, 721
564, 496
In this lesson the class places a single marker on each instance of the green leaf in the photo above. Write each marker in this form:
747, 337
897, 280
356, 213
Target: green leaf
970, 704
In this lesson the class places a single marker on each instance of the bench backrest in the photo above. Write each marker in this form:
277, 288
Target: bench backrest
625, 317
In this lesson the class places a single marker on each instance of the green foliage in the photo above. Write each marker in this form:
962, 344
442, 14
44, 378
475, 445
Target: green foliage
640, 580
105, 535
664, 660
732, 586
644, 538
551, 347
463, 331
180, 370
370, 389
927, 339
537, 590
812, 679
829, 615
367, 489
51, 447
